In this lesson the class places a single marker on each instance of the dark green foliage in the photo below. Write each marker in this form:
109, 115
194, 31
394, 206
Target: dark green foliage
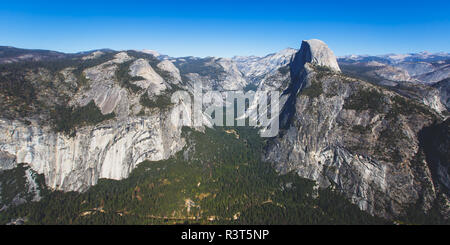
22, 94
403, 106
82, 80
332, 90
294, 205
66, 119
415, 215
284, 70
11, 52
18, 94
51, 65
389, 141
365, 99
322, 71
360, 129
161, 101
392, 137
14, 84
141, 55
314, 90
13, 185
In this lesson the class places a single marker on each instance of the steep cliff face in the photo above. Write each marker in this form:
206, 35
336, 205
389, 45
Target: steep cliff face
316, 52
356, 137
109, 149
214, 73
444, 92
255, 68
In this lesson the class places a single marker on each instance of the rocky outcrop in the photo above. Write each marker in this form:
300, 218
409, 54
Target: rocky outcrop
435, 98
254, 68
172, 71
152, 80
444, 92
110, 150
233, 79
317, 53
104, 91
7, 161
352, 136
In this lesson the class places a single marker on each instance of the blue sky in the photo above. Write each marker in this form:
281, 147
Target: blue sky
227, 28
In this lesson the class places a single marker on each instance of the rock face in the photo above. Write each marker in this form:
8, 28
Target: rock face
352, 136
444, 92
436, 97
152, 80
316, 52
254, 68
109, 150
103, 90
171, 69
233, 80
412, 75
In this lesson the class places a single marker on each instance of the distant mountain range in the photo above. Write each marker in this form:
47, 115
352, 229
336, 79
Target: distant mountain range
397, 58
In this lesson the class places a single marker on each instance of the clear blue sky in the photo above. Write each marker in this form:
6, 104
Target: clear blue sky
227, 28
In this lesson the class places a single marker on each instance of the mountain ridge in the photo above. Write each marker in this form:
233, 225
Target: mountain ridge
100, 114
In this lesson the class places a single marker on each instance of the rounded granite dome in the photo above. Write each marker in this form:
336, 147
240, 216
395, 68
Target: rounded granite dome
316, 52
